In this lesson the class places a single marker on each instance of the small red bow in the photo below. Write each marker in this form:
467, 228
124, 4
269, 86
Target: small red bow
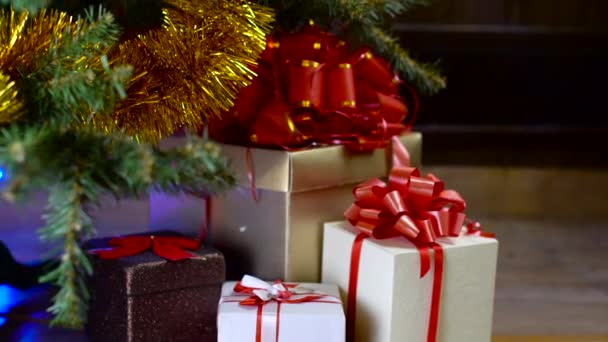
166, 247
263, 293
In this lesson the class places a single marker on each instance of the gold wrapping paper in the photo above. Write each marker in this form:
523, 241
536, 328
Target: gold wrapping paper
280, 236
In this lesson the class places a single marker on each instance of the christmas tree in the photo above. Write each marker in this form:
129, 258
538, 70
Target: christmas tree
83, 102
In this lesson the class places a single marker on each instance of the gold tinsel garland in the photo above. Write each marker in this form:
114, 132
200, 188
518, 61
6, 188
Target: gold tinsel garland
10, 105
191, 68
188, 70
25, 39
21, 38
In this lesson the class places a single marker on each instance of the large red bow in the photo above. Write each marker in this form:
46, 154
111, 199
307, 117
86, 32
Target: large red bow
311, 89
167, 247
418, 208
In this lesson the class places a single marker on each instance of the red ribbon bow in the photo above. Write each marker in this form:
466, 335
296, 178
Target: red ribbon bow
311, 89
278, 291
417, 208
166, 247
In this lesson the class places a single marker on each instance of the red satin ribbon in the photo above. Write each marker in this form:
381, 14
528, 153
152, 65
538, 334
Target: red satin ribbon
417, 208
283, 298
171, 248
311, 89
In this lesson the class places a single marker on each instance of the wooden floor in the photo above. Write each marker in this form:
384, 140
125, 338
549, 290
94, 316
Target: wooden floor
550, 339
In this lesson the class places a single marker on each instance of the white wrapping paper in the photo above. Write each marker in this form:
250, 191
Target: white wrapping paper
393, 302
310, 321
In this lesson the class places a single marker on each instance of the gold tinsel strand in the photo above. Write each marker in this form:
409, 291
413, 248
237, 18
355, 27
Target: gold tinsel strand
21, 40
10, 105
24, 38
191, 68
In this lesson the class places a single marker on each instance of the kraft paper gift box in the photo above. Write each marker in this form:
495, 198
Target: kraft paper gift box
321, 318
393, 302
280, 235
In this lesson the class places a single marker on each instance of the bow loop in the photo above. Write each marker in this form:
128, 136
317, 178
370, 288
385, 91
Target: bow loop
393, 201
263, 292
347, 98
171, 248
418, 208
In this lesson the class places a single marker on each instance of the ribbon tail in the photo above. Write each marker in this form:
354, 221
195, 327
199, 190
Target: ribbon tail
258, 324
277, 322
425, 257
351, 306
123, 247
120, 251
401, 157
178, 241
436, 297
170, 252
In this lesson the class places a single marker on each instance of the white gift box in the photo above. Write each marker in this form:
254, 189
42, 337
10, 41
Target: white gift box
393, 302
309, 321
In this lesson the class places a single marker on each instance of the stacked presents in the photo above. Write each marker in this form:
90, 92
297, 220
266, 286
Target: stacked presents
357, 244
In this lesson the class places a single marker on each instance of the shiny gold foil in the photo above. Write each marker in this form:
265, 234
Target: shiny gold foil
280, 235
190, 69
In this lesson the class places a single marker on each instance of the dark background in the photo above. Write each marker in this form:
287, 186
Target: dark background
526, 80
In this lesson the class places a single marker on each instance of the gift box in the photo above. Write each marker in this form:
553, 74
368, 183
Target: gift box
139, 294
278, 233
393, 302
253, 310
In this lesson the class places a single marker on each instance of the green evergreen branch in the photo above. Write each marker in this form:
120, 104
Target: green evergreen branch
31, 6
74, 80
366, 12
80, 166
67, 223
425, 77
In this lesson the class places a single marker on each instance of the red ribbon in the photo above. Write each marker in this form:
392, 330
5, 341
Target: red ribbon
171, 248
311, 89
417, 208
283, 297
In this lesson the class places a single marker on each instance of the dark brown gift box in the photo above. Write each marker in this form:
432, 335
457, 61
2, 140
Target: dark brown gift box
146, 298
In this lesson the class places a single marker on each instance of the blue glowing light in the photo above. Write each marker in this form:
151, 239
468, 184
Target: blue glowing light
9, 297
1, 173
2, 320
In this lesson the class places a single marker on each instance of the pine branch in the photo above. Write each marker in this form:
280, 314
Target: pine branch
425, 77
202, 170
32, 6
67, 224
74, 80
366, 12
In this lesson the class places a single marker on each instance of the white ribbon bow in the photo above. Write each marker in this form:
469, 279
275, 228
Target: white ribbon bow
276, 291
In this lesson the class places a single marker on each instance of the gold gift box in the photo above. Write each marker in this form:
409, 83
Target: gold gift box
280, 235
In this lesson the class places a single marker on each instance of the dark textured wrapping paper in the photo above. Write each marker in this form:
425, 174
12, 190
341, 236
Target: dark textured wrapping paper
146, 298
